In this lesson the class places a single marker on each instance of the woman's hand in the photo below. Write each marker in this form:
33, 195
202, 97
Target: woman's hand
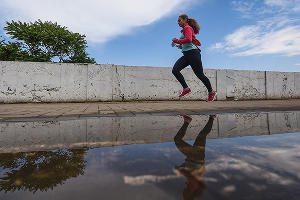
179, 46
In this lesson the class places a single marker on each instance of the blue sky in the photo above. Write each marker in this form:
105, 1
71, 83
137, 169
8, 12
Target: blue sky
236, 34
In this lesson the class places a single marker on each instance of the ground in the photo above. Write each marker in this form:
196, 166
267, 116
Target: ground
15, 112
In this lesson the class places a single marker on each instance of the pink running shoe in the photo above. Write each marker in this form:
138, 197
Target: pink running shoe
213, 116
211, 97
184, 92
187, 118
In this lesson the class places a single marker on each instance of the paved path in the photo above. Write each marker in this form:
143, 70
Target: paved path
11, 112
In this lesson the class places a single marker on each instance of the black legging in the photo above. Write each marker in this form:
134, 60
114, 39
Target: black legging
192, 58
197, 151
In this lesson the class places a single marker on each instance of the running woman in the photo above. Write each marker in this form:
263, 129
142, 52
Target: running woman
191, 55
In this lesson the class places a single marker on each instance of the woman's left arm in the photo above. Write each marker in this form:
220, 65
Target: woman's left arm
188, 33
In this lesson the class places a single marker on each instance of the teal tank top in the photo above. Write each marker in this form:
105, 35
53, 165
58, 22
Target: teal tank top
187, 46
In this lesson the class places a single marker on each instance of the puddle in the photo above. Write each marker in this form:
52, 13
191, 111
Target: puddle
227, 156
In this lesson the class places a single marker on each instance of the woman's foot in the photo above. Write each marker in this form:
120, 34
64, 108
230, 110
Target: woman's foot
184, 92
212, 96
213, 116
187, 119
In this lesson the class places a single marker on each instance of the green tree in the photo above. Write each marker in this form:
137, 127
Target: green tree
13, 51
10, 51
40, 171
44, 42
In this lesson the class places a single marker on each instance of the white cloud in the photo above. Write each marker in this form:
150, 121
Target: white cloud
99, 20
281, 3
258, 8
285, 155
244, 7
266, 37
285, 5
298, 64
277, 2
247, 168
270, 35
285, 41
140, 180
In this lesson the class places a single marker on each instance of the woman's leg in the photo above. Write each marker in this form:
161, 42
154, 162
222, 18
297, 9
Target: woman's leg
201, 138
180, 64
196, 64
178, 139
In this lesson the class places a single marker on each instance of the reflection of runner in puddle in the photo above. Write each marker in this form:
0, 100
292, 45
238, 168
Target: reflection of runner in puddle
193, 166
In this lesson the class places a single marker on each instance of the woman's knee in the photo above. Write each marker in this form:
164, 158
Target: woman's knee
175, 71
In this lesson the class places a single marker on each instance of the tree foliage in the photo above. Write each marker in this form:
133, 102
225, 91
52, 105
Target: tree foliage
11, 51
40, 171
43, 42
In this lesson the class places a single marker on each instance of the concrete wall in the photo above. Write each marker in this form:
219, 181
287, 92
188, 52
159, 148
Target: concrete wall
111, 131
241, 85
55, 82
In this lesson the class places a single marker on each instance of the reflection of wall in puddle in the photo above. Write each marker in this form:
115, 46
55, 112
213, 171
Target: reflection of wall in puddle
110, 131
284, 122
234, 125
135, 130
32, 136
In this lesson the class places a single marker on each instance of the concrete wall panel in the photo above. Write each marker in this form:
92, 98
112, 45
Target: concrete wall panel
281, 85
29, 82
157, 83
100, 82
297, 85
145, 83
73, 83
240, 85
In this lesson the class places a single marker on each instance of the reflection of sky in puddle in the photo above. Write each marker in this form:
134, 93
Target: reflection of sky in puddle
252, 167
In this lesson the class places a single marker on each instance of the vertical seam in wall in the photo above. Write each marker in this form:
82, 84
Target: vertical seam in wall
295, 91
86, 134
114, 72
268, 123
217, 83
117, 84
117, 81
266, 97
112, 82
87, 81
218, 127
60, 86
